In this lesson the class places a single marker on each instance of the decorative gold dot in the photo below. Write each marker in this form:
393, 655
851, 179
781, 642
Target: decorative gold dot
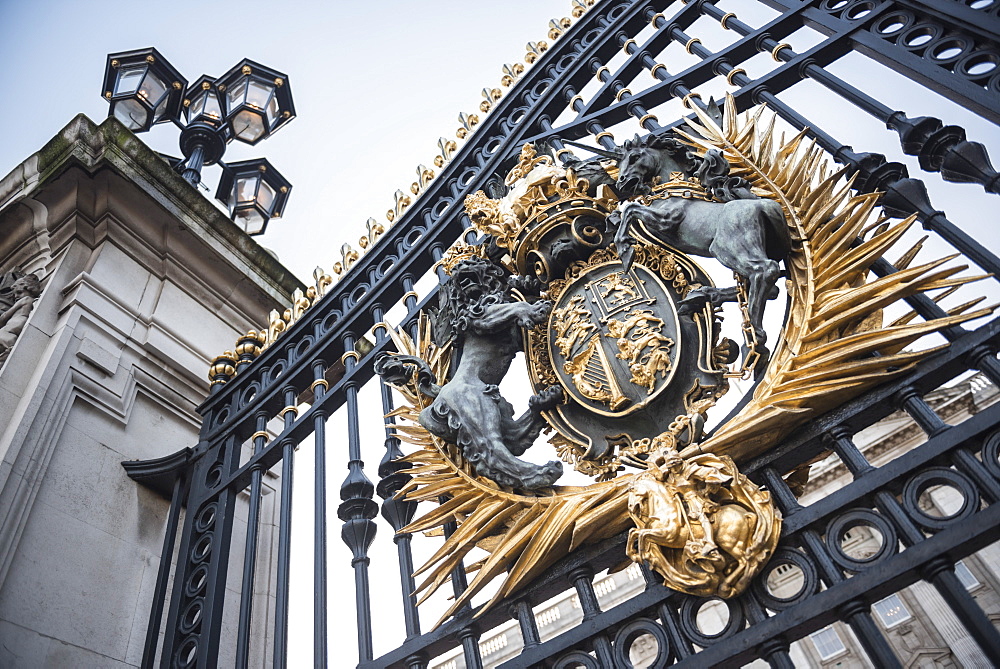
107, 94
205, 85
150, 59
246, 69
114, 63
177, 85
284, 189
279, 82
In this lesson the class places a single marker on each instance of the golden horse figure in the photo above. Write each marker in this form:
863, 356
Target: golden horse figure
700, 523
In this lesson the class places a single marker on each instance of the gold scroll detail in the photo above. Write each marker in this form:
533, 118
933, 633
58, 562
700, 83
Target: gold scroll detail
700, 523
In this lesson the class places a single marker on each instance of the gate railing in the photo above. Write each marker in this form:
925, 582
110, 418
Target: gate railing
257, 417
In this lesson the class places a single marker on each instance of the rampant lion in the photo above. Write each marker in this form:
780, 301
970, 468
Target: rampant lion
477, 316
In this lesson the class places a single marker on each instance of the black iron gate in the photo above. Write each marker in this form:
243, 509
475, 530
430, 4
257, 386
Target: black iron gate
317, 366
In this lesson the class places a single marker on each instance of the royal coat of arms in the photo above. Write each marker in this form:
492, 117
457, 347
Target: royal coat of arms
589, 268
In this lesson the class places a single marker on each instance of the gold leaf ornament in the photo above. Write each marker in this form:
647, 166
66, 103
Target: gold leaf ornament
823, 357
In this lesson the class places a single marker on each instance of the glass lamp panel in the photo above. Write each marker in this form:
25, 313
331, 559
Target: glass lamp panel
248, 126
153, 90
196, 107
161, 109
246, 188
237, 92
265, 197
128, 79
258, 94
251, 220
132, 114
272, 110
212, 108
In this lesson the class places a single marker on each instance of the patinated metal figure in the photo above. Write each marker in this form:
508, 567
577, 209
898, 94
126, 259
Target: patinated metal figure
698, 208
476, 312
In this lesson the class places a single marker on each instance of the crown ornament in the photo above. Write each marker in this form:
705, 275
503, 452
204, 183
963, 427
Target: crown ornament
549, 218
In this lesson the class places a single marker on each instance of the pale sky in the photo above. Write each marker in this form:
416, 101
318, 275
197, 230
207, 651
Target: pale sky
375, 85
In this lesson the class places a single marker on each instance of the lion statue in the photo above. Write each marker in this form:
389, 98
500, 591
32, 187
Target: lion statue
477, 316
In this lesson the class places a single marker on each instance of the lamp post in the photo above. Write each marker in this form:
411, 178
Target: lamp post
248, 103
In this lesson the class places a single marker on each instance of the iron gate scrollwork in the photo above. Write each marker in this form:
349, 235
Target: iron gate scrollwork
275, 393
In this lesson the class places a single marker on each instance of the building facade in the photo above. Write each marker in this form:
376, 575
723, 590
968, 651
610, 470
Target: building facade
141, 281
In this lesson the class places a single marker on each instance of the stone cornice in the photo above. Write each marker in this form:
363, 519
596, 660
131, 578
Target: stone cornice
111, 146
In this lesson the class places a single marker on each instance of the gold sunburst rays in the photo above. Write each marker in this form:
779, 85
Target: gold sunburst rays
833, 345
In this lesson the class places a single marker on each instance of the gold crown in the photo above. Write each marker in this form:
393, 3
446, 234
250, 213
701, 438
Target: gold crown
542, 196
458, 252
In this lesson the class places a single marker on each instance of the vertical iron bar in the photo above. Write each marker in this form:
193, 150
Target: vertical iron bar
521, 609
221, 545
357, 508
668, 618
319, 388
284, 543
581, 578
163, 573
921, 412
855, 461
470, 647
397, 512
250, 552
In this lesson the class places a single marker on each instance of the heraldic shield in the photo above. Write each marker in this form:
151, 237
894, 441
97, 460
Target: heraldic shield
631, 364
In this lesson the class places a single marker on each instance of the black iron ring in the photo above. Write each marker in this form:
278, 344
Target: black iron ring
836, 529
629, 633
689, 621
810, 579
934, 476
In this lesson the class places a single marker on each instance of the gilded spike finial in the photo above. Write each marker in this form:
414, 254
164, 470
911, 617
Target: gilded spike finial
468, 121
511, 72
447, 147
375, 230
323, 280
558, 26
402, 202
534, 51
299, 304
424, 176
348, 255
490, 95
275, 326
